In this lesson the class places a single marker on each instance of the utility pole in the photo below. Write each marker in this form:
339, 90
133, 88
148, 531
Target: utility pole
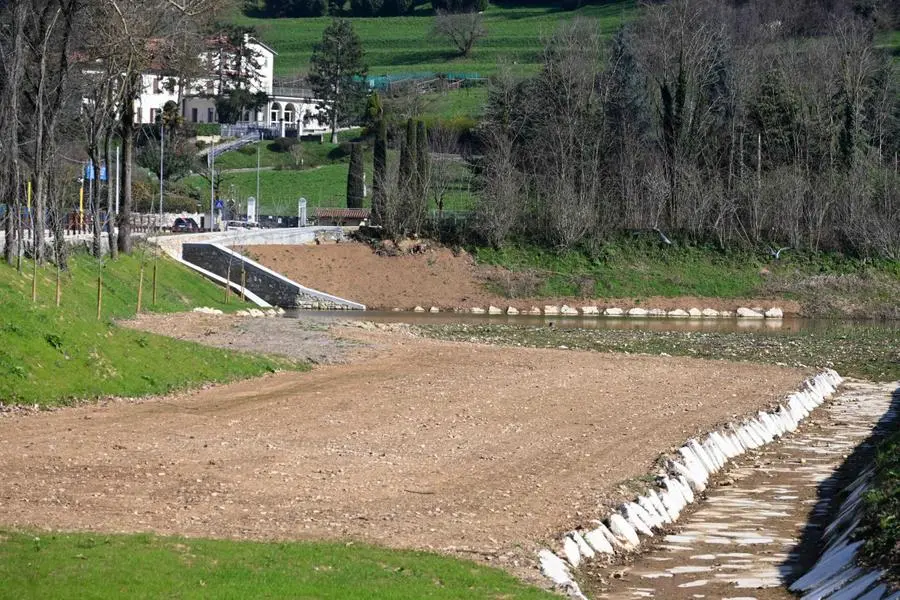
162, 150
212, 185
256, 206
118, 186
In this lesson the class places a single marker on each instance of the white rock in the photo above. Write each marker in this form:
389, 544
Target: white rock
477, 310
654, 498
255, 312
678, 313
583, 547
726, 313
672, 503
551, 310
634, 518
570, 549
686, 489
748, 313
493, 310
637, 312
613, 312
694, 483
512, 310
568, 311
616, 543
709, 312
651, 515
271, 313
242, 313
620, 527
279, 310
598, 541
708, 463
534, 311
554, 568
434, 309
774, 313
656, 312
590, 311
695, 312
856, 588
418, 309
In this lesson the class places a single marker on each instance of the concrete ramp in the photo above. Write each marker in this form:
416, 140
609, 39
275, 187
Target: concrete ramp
266, 284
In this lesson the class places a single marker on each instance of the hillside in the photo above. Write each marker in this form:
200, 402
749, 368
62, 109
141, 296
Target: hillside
53, 355
406, 44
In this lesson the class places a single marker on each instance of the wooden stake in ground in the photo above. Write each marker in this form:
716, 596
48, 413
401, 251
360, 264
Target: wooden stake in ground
228, 283
155, 265
140, 287
243, 284
34, 281
58, 285
99, 292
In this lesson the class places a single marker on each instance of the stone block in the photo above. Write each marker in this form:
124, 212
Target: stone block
493, 310
748, 313
434, 309
590, 311
709, 313
678, 313
512, 310
418, 309
477, 310
695, 313
568, 311
774, 313
637, 312
613, 312
551, 310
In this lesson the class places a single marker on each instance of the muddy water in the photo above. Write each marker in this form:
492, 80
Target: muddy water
744, 539
787, 325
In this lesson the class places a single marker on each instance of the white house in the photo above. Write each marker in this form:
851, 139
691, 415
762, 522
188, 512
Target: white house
290, 109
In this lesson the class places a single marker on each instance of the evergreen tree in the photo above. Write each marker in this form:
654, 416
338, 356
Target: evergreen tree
408, 159
423, 163
355, 184
379, 175
336, 72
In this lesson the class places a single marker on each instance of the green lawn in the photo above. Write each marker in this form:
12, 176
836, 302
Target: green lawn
84, 566
405, 44
51, 356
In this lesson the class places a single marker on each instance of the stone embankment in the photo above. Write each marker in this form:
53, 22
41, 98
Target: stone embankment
683, 477
613, 311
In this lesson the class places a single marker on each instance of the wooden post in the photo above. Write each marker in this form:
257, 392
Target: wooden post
58, 285
140, 288
99, 292
228, 284
243, 283
155, 265
34, 277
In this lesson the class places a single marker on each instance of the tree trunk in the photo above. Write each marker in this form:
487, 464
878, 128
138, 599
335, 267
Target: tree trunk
110, 198
126, 130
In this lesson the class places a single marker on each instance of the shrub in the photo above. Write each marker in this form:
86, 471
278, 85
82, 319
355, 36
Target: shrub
208, 129
396, 8
366, 8
282, 144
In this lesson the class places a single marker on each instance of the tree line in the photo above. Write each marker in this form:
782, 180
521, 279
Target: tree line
355, 8
742, 123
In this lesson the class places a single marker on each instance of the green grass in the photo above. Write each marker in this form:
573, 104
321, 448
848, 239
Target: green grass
826, 285
405, 44
52, 356
84, 566
880, 525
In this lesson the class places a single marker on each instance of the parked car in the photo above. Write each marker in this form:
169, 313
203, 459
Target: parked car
185, 225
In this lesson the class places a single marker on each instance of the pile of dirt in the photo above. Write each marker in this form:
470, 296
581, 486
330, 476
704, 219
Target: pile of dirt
427, 276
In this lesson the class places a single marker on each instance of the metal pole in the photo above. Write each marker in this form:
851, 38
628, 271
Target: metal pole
212, 184
118, 186
162, 150
258, 147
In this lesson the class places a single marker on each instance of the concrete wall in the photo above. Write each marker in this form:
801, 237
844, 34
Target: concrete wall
272, 287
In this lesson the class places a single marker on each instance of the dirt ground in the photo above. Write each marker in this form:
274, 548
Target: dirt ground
351, 270
467, 449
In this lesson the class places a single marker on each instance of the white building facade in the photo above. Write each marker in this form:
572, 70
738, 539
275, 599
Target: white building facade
289, 110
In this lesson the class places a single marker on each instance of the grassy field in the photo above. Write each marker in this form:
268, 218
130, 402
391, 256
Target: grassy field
52, 356
83, 566
406, 44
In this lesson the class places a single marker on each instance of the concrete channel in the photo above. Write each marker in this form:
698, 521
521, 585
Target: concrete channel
761, 527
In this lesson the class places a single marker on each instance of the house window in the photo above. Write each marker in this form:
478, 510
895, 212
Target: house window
194, 115
156, 86
153, 113
210, 115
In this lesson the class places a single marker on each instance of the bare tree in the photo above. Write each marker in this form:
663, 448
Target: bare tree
501, 200
462, 29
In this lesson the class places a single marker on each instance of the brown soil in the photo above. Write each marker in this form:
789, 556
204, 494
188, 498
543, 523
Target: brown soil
437, 277
464, 448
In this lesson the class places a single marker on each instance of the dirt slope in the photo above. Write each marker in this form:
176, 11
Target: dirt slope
353, 271
454, 446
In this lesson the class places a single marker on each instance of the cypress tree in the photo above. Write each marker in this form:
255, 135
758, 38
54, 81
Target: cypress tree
408, 160
355, 177
379, 175
423, 163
